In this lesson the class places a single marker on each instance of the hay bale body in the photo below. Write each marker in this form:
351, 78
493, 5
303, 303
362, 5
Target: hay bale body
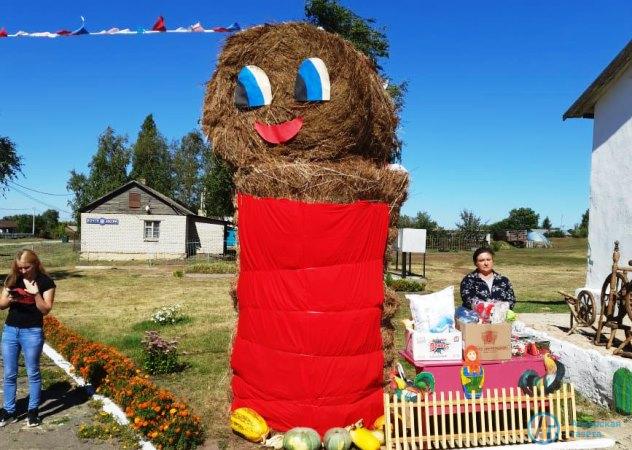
341, 153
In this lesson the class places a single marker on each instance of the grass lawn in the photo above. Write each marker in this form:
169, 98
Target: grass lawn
113, 306
535, 273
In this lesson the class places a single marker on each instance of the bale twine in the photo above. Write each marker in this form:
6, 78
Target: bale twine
358, 120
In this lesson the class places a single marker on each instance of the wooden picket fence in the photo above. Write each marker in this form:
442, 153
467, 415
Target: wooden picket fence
505, 416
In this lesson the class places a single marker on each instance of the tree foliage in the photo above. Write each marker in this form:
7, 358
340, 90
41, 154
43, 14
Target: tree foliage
10, 162
421, 220
151, 160
108, 168
218, 187
546, 223
187, 164
518, 219
107, 171
365, 36
470, 224
46, 224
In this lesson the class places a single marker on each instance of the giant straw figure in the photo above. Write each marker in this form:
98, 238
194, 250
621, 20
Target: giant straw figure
306, 123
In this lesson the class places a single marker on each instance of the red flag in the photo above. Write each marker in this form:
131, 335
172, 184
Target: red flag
159, 25
63, 32
3, 32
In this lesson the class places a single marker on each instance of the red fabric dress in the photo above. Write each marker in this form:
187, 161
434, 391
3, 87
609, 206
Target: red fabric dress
308, 350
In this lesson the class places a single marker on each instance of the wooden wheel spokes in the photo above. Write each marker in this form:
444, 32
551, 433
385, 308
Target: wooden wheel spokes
585, 308
613, 303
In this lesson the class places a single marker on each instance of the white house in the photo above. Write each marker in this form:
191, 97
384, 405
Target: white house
608, 101
138, 222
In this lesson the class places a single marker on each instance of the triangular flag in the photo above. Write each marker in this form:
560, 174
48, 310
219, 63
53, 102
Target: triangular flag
3, 32
233, 27
82, 29
159, 25
63, 32
198, 28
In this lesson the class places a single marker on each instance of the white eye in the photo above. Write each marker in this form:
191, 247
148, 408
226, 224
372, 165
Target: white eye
312, 81
253, 88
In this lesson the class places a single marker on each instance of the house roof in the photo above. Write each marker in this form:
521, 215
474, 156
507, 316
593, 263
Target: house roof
169, 201
584, 106
8, 224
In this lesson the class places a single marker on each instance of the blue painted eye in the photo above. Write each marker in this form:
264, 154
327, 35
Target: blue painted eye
253, 88
312, 81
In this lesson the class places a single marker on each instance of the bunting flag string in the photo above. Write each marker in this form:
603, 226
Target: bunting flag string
158, 27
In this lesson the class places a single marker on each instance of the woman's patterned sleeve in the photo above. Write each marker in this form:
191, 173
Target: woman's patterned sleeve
466, 292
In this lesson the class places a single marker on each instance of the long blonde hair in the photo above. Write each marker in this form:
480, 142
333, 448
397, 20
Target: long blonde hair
30, 257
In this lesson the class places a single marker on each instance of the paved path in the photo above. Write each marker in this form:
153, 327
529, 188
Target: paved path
64, 407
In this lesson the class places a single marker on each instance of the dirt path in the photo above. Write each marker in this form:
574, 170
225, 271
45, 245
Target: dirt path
64, 407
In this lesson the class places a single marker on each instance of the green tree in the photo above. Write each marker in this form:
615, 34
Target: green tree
421, 220
10, 162
79, 185
546, 223
46, 223
24, 222
108, 171
108, 168
585, 219
217, 187
470, 224
151, 161
363, 34
581, 230
519, 219
187, 163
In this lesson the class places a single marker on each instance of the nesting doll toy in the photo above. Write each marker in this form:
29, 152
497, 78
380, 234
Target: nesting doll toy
306, 123
472, 373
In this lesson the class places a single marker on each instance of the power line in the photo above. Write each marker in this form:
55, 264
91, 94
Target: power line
40, 201
39, 192
15, 209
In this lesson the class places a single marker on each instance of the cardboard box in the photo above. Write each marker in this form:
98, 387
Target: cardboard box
426, 346
493, 340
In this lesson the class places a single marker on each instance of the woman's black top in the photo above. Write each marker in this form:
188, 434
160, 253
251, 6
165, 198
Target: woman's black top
24, 313
474, 287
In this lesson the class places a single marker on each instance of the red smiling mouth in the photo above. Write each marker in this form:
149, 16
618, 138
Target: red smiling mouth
280, 132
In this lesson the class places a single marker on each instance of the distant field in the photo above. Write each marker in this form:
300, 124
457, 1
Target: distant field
536, 273
113, 306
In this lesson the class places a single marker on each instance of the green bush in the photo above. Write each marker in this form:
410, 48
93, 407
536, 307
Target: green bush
214, 267
178, 273
404, 285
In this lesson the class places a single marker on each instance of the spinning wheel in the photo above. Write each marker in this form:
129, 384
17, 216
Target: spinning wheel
585, 309
615, 304
612, 304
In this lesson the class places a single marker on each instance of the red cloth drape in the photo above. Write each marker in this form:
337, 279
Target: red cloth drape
308, 350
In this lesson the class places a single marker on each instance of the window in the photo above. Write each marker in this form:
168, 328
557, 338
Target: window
152, 230
134, 200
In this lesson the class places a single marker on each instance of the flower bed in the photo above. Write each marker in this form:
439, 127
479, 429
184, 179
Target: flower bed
156, 413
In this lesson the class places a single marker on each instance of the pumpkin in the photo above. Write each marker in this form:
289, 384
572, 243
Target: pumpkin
337, 439
379, 423
247, 423
301, 438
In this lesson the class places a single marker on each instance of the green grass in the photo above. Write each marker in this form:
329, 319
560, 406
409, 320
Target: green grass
115, 306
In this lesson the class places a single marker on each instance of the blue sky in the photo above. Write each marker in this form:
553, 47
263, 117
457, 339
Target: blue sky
488, 84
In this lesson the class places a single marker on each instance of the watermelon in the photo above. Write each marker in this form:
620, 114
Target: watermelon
622, 391
337, 439
301, 439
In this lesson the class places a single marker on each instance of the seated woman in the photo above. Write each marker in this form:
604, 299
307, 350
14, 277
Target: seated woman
484, 283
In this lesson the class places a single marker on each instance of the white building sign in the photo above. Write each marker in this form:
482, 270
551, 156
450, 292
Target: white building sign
101, 221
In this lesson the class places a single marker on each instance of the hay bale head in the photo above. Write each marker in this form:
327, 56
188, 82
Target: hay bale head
357, 121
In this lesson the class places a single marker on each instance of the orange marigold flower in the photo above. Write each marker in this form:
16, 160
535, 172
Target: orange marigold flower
173, 411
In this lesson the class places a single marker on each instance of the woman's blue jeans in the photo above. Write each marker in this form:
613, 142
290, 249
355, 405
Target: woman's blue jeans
30, 341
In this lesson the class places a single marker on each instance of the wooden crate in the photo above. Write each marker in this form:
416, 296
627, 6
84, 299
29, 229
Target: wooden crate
500, 416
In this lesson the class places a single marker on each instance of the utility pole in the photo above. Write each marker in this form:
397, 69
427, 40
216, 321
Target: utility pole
33, 229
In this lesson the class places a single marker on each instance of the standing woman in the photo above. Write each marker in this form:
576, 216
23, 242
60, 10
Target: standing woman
28, 292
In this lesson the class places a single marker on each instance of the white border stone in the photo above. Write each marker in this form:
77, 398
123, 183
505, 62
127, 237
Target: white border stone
108, 405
